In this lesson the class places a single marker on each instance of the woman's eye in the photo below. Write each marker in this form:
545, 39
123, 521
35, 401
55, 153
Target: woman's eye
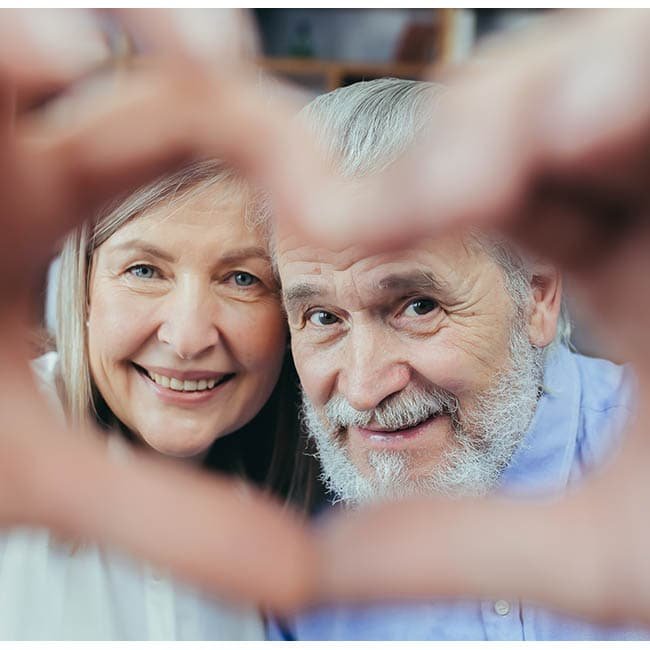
420, 307
142, 271
243, 279
323, 318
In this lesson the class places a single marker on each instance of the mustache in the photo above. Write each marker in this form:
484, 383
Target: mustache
408, 408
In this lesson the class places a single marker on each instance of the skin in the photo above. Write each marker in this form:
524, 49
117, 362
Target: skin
187, 287
368, 326
586, 554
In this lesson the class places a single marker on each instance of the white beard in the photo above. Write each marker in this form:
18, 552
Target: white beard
485, 438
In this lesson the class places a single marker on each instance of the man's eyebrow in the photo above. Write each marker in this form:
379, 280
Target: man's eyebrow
298, 293
145, 247
421, 281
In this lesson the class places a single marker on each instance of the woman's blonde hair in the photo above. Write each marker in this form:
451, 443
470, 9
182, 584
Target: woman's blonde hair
264, 449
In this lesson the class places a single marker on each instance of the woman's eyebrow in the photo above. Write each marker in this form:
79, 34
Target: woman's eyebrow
238, 254
141, 245
233, 255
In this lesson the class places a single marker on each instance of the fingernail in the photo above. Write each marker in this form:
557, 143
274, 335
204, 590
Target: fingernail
68, 39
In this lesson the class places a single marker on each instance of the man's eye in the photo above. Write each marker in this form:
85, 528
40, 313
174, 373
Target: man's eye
420, 307
243, 279
142, 271
323, 318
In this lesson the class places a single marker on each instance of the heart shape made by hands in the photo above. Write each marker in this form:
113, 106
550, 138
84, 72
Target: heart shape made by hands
559, 162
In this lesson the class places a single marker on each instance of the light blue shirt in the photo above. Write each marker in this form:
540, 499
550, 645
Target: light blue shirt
577, 424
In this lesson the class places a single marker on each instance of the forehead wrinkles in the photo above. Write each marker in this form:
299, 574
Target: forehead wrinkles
309, 272
355, 290
449, 267
450, 250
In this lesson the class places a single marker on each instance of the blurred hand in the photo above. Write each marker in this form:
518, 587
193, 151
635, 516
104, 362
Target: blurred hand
585, 555
559, 162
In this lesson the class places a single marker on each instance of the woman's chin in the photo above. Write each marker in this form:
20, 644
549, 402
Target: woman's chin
183, 450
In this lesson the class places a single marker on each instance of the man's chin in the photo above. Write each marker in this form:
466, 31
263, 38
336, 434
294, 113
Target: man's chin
408, 466
390, 475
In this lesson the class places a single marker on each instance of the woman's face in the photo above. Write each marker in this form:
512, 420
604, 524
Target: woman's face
186, 334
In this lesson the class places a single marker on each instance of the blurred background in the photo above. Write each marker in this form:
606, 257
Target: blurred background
322, 49
319, 50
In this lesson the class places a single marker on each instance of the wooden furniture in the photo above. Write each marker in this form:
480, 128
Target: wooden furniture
333, 74
330, 74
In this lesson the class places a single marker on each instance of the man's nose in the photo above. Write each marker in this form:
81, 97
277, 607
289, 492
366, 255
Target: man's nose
372, 371
189, 324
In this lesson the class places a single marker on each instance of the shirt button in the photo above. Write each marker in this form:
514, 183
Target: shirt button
502, 607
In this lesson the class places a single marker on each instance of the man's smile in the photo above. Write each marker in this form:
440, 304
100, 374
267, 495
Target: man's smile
380, 437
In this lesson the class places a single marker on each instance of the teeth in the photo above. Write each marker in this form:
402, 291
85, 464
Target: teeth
189, 385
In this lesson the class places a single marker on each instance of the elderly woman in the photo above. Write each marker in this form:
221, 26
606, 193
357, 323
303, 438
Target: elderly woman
170, 336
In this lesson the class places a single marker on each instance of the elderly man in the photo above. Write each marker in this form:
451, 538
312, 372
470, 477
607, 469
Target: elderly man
440, 368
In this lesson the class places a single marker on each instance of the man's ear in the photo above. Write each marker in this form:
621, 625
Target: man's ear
546, 285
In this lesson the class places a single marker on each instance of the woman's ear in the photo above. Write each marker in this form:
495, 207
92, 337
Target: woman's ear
546, 285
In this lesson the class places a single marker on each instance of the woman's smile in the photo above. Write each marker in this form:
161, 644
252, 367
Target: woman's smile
184, 388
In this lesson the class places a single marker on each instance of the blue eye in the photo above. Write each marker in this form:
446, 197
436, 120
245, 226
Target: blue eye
243, 279
420, 307
142, 271
321, 317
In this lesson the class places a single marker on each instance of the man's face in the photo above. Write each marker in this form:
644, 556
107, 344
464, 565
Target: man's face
406, 362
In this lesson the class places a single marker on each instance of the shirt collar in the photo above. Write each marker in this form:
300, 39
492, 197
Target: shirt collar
542, 463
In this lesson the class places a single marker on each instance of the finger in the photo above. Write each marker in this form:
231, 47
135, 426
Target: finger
7, 113
216, 37
558, 556
536, 138
615, 293
210, 532
585, 554
158, 119
457, 158
44, 50
217, 534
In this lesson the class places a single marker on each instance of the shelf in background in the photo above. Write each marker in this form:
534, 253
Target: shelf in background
339, 73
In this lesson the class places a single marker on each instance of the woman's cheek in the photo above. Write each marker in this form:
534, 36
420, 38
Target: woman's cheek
263, 336
113, 314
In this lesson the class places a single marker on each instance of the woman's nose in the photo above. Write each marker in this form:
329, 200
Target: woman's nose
190, 321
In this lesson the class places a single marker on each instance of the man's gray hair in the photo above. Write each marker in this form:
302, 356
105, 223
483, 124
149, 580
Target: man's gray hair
365, 127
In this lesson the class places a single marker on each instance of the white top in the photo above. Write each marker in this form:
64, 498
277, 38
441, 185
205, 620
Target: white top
50, 591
